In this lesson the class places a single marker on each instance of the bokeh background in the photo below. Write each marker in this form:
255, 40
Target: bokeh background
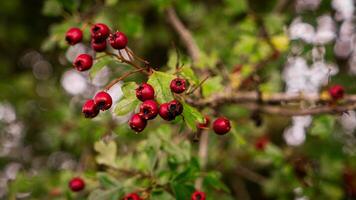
44, 139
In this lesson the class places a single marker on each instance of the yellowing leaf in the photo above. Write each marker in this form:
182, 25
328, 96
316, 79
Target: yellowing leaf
106, 153
281, 42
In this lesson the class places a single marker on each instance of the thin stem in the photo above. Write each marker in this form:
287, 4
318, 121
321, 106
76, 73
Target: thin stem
123, 60
196, 87
113, 82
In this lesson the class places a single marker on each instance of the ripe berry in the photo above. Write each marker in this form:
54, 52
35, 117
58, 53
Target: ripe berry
103, 100
205, 124
74, 36
98, 46
197, 195
83, 62
145, 92
132, 196
336, 92
118, 40
165, 113
149, 109
175, 107
137, 123
99, 32
89, 109
221, 126
76, 184
261, 143
178, 85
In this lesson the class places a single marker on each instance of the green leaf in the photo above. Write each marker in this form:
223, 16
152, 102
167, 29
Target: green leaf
322, 126
112, 194
160, 82
52, 8
107, 181
192, 116
213, 180
100, 64
189, 74
106, 153
126, 105
212, 85
129, 89
182, 191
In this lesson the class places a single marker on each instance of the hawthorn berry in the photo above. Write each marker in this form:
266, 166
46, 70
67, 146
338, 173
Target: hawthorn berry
165, 113
198, 195
145, 92
175, 107
221, 126
103, 100
261, 143
76, 184
205, 124
98, 46
336, 92
137, 122
74, 35
118, 40
99, 32
89, 109
132, 196
149, 109
178, 85
83, 62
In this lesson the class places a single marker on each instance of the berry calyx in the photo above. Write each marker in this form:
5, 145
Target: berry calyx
103, 100
118, 40
98, 46
89, 109
198, 195
76, 184
132, 196
145, 92
261, 143
178, 85
99, 32
137, 122
83, 62
205, 124
74, 36
149, 109
336, 92
221, 126
175, 107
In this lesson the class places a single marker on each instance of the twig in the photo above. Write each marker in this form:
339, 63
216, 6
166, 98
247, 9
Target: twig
113, 82
197, 86
184, 34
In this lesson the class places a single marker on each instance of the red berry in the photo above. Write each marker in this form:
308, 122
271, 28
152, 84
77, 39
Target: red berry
89, 109
103, 100
175, 107
132, 196
83, 62
74, 36
137, 123
205, 124
98, 46
198, 195
149, 109
118, 40
99, 32
76, 184
178, 85
221, 126
336, 92
261, 143
145, 92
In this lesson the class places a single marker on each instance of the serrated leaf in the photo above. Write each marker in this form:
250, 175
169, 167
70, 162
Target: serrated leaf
212, 85
160, 81
188, 73
126, 105
100, 64
129, 89
106, 153
192, 116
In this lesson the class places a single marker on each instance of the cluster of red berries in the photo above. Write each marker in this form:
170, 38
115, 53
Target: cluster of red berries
149, 108
101, 101
100, 35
